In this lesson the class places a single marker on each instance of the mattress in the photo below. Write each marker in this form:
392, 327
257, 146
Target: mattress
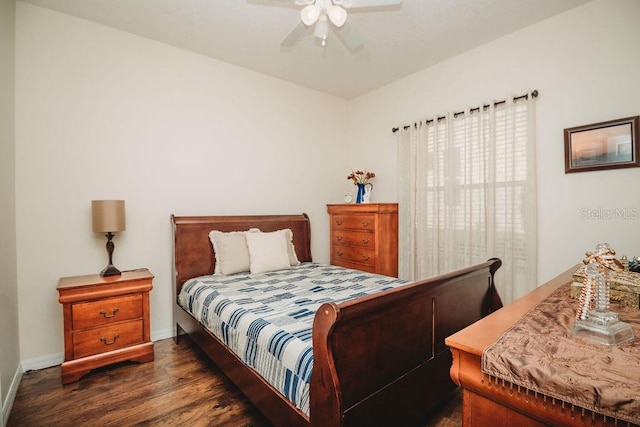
266, 319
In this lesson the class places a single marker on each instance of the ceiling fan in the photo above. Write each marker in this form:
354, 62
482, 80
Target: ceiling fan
322, 13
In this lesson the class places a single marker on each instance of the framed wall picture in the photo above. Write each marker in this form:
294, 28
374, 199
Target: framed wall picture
608, 145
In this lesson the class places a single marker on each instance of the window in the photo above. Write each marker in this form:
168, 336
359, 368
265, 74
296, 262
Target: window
468, 194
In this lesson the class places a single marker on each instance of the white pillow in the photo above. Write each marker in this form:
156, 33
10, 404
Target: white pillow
293, 258
268, 251
231, 251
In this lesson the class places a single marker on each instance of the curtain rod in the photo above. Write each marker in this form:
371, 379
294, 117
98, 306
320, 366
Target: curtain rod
534, 94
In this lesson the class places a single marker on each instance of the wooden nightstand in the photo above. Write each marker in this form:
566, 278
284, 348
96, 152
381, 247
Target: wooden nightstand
106, 320
365, 237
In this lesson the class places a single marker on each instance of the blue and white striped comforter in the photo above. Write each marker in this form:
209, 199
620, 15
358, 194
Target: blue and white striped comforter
266, 319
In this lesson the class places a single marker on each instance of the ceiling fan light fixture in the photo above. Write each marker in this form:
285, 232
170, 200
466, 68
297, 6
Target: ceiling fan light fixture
337, 15
310, 14
321, 30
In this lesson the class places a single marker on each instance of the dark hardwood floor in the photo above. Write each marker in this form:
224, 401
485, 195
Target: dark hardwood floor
180, 387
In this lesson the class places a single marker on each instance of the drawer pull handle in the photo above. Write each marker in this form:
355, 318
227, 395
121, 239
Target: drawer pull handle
365, 223
340, 253
339, 222
365, 257
338, 237
104, 314
365, 241
104, 340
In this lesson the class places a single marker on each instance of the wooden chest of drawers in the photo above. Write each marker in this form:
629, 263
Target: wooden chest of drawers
365, 237
106, 320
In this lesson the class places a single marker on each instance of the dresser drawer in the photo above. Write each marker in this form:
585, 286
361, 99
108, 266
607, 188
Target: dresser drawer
106, 311
108, 338
354, 265
352, 253
364, 239
354, 222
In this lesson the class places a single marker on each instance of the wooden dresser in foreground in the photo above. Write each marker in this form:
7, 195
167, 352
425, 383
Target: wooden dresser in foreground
486, 403
364, 237
106, 320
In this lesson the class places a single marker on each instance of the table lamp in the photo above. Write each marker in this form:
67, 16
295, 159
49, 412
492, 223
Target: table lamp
108, 217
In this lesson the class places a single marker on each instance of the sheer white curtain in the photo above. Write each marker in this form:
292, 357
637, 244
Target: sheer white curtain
468, 193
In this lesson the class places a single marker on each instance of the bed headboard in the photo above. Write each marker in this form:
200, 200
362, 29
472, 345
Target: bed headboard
192, 251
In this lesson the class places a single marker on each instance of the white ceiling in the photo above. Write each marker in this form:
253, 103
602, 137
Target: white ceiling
398, 40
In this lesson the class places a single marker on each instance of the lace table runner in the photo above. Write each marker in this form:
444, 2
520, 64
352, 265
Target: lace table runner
541, 354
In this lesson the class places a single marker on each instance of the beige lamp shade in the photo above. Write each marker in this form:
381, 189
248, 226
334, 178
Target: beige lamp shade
108, 216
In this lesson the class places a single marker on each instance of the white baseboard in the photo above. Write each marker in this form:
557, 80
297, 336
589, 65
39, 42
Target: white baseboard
11, 396
163, 334
42, 362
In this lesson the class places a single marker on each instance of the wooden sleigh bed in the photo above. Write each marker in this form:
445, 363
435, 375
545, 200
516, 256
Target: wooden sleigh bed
377, 360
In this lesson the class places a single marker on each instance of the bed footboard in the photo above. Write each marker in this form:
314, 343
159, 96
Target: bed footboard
381, 360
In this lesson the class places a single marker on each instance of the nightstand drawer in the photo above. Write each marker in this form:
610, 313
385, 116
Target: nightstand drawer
354, 222
106, 311
354, 238
350, 253
108, 338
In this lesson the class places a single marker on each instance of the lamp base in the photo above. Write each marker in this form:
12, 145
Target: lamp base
110, 270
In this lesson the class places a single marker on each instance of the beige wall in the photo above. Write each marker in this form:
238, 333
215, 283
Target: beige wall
101, 113
584, 64
10, 349
104, 114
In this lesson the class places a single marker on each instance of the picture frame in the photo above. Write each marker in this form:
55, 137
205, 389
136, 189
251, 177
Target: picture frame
613, 144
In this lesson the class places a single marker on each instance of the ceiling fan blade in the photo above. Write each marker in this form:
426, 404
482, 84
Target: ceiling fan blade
349, 36
295, 35
279, 3
357, 4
